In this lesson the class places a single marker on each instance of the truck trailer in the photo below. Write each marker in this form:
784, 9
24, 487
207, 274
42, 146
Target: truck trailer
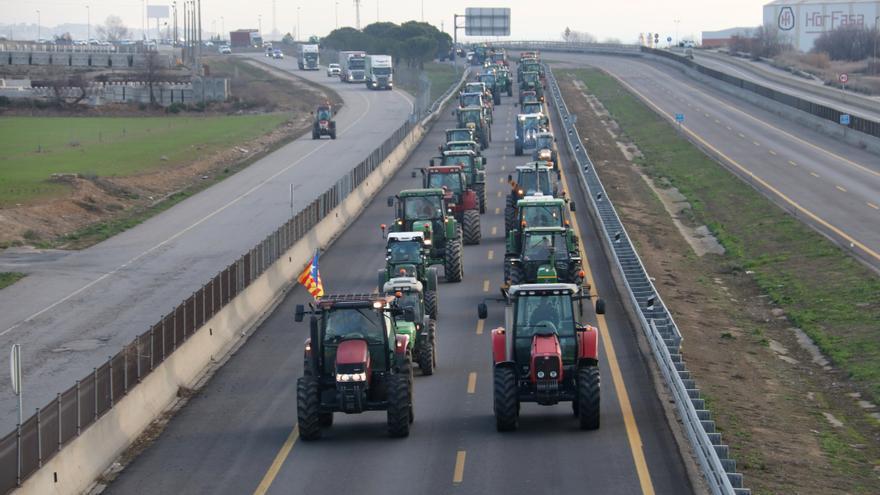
378, 72
351, 64
308, 58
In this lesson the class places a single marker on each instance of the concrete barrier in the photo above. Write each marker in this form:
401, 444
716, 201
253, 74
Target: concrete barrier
19, 58
75, 468
79, 59
5, 58
100, 60
61, 59
40, 58
120, 60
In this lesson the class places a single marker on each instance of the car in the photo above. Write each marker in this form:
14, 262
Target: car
689, 44
333, 70
225, 50
269, 51
277, 53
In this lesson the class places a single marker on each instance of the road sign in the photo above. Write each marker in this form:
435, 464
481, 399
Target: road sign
845, 119
669, 39
843, 78
487, 22
679, 117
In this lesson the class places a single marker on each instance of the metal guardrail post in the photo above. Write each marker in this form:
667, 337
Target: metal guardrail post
18, 454
110, 379
95, 388
78, 410
58, 401
39, 441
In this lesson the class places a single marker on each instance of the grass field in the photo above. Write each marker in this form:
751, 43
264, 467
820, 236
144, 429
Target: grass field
36, 147
442, 75
825, 292
9, 278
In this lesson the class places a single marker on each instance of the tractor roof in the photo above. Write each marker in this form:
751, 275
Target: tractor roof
340, 301
470, 143
406, 236
545, 133
540, 200
530, 167
471, 108
458, 129
542, 289
445, 169
460, 152
527, 116
544, 230
402, 283
408, 193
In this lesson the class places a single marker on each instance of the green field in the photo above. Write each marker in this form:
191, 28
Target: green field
34, 148
442, 76
825, 292
9, 278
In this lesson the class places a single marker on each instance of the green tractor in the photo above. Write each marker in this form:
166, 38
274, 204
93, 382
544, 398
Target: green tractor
356, 360
503, 81
531, 179
545, 151
462, 146
544, 255
426, 211
477, 99
406, 255
491, 82
531, 81
474, 168
422, 331
458, 135
461, 199
473, 118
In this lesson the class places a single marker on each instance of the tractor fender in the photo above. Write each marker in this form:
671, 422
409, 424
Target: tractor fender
499, 346
469, 200
307, 354
401, 345
588, 344
431, 276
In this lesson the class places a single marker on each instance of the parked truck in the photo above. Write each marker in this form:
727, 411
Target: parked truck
351, 64
378, 72
308, 58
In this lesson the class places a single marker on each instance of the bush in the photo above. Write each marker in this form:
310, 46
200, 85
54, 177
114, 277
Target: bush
175, 108
849, 42
5, 101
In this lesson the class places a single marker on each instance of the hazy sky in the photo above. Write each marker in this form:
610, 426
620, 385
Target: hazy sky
622, 19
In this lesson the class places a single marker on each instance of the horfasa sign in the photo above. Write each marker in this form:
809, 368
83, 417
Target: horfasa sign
801, 22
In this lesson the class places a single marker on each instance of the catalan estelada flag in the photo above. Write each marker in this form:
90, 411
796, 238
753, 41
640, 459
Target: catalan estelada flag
311, 278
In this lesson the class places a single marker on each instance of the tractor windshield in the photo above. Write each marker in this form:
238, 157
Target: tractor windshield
528, 182
542, 216
545, 142
407, 251
530, 77
471, 116
459, 135
488, 79
451, 182
353, 323
538, 246
544, 314
463, 160
471, 100
531, 124
423, 207
474, 87
324, 114
532, 107
409, 299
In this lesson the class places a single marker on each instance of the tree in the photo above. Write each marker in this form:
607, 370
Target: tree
287, 39
113, 29
848, 42
577, 36
768, 42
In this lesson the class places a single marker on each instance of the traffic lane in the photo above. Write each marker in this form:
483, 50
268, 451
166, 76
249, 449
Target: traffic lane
837, 188
76, 310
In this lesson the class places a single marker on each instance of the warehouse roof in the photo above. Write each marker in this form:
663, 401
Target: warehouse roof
745, 32
816, 2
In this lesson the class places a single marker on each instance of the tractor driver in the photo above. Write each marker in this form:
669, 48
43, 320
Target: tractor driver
353, 323
545, 313
451, 182
324, 113
405, 251
423, 208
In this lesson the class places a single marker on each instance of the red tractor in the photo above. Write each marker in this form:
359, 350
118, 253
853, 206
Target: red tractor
324, 125
459, 196
543, 355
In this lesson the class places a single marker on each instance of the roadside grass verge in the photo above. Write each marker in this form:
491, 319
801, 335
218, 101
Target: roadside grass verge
823, 291
9, 278
441, 74
34, 148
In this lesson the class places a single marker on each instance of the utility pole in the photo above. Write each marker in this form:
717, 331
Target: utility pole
357, 10
174, 20
423, 10
144, 19
39, 34
275, 26
199, 61
88, 23
222, 29
876, 35
337, 15
677, 21
298, 35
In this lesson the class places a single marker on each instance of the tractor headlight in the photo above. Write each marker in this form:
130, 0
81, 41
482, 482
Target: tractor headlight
544, 155
540, 374
553, 374
352, 377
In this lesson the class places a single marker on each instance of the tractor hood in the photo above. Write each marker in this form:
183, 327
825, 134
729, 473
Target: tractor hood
546, 274
352, 352
423, 226
407, 328
546, 362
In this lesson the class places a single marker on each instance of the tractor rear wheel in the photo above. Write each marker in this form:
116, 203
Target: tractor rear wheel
431, 276
588, 386
510, 213
484, 141
480, 189
308, 408
506, 400
471, 225
453, 263
333, 134
399, 403
517, 276
431, 303
426, 352
510, 90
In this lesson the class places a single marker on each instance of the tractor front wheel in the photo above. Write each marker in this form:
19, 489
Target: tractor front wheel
471, 223
399, 403
308, 408
496, 97
506, 400
453, 263
481, 195
380, 279
431, 303
517, 276
510, 214
588, 386
426, 353
517, 148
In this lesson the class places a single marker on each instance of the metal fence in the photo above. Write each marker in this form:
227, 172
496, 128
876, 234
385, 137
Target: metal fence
571, 46
860, 124
656, 321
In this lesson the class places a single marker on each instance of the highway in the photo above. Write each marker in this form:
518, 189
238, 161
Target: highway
237, 435
74, 309
826, 183
760, 73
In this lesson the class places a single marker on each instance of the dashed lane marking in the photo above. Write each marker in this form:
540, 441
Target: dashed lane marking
814, 174
841, 188
472, 382
458, 473
772, 152
494, 230
872, 205
491, 254
497, 211
480, 325
270, 475
486, 285
792, 163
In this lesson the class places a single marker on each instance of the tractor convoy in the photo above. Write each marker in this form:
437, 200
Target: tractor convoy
362, 348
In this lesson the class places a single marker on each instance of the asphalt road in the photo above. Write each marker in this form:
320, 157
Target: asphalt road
74, 309
815, 91
237, 433
831, 185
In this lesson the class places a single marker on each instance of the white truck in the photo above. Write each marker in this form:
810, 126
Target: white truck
378, 72
351, 65
308, 57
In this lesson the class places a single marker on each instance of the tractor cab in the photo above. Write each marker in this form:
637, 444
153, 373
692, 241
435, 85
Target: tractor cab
474, 118
544, 152
531, 81
532, 107
426, 211
470, 100
462, 146
406, 255
411, 296
462, 134
543, 354
474, 169
528, 126
528, 97
356, 360
546, 254
460, 197
489, 79
323, 124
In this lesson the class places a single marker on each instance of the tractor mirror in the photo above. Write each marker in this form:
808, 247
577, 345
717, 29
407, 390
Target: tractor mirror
482, 311
485, 160
509, 178
600, 306
409, 315
414, 175
431, 162
390, 201
299, 313
572, 206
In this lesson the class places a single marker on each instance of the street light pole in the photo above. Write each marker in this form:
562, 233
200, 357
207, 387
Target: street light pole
677, 21
88, 23
39, 35
876, 35
337, 15
298, 35
222, 29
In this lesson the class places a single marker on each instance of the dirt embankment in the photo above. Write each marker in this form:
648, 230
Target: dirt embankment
778, 408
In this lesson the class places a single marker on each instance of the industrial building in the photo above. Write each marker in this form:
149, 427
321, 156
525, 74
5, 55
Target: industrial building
802, 22
721, 39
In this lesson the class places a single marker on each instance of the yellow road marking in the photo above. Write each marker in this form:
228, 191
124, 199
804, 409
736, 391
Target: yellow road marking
841, 188
717, 121
502, 168
458, 474
472, 382
270, 475
499, 194
491, 254
753, 176
814, 174
632, 429
742, 135
501, 180
772, 152
497, 211
729, 128
706, 115
494, 230
756, 143
792, 163
485, 286
480, 325
872, 205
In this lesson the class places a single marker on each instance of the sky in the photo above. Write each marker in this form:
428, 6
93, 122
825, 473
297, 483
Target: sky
619, 19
